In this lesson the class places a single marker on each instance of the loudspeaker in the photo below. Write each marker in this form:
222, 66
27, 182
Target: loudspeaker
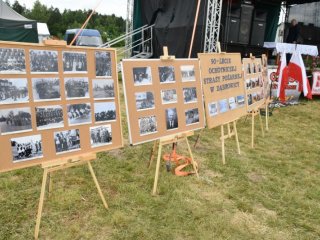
233, 29
258, 33
245, 23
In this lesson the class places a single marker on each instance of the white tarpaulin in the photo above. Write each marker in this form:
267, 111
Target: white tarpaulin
291, 48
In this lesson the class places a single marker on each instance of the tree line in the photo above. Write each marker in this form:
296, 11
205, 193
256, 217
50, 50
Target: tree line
110, 26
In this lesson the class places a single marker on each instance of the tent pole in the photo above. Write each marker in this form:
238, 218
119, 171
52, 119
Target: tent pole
194, 28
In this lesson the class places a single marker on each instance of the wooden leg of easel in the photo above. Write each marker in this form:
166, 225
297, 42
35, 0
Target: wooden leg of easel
252, 130
192, 159
40, 207
154, 148
156, 178
222, 145
267, 117
229, 130
50, 184
97, 185
236, 136
261, 123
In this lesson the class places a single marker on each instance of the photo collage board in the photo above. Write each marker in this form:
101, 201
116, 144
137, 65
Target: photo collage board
223, 87
56, 102
163, 98
266, 83
254, 83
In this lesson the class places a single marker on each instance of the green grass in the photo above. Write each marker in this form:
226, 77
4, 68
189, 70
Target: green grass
270, 192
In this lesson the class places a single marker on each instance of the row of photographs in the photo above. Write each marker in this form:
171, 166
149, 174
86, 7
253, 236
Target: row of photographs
148, 125
31, 147
252, 83
143, 76
15, 90
13, 61
145, 100
255, 97
253, 68
226, 105
19, 120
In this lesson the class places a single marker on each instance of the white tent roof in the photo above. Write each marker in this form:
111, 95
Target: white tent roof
43, 29
8, 13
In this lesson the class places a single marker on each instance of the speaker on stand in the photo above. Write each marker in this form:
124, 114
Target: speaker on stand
232, 25
258, 28
245, 23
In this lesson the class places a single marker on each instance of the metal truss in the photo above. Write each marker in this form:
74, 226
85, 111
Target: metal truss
129, 26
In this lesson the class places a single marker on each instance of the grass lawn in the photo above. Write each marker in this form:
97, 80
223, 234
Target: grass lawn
270, 192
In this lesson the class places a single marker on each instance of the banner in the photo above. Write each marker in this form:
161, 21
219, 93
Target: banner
316, 83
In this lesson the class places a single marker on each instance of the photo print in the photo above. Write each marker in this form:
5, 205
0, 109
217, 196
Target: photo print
104, 111
223, 105
190, 95
248, 84
192, 116
48, 117
169, 96
250, 100
76, 87
67, 141
259, 68
232, 103
166, 74
14, 90
142, 76
213, 109
12, 61
79, 114
144, 100
46, 89
187, 73
15, 120
103, 89
240, 101
147, 125
254, 68
103, 64
254, 82
171, 118
75, 62
249, 68
255, 97
100, 135
26, 148
43, 61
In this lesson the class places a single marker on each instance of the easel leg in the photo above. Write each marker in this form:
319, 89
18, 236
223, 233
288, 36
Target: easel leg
229, 130
222, 145
192, 159
50, 184
154, 192
40, 207
261, 123
97, 185
154, 148
267, 117
252, 130
236, 136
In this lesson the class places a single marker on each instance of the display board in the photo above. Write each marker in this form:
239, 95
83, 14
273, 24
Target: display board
56, 102
316, 83
266, 82
254, 83
223, 87
163, 98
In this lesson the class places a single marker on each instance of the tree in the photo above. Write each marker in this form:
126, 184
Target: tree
18, 8
39, 12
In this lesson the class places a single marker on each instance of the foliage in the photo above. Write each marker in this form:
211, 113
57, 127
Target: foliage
110, 26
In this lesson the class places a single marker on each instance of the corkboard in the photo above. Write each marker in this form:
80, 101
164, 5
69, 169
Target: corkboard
266, 83
254, 83
223, 87
141, 76
26, 150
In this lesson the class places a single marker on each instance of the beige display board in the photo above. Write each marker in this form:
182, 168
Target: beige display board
163, 98
266, 83
254, 83
56, 102
223, 87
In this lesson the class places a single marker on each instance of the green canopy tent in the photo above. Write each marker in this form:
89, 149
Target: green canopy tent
16, 28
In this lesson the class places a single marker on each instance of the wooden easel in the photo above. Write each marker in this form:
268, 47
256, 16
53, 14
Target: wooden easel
254, 113
266, 108
60, 164
166, 141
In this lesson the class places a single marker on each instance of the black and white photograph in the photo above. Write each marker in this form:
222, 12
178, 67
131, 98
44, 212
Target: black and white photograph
254, 82
249, 71
254, 68
144, 100
169, 96
192, 116
103, 64
103, 89
142, 76
43, 61
232, 103
250, 100
75, 62
171, 118
14, 90
240, 101
76, 87
101, 135
46, 89
26, 148
104, 111
248, 83
79, 114
259, 68
147, 125
67, 141
213, 109
48, 117
187, 73
12, 61
166, 74
15, 120
190, 95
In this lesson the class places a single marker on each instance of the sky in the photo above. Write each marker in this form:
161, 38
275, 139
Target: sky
117, 7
